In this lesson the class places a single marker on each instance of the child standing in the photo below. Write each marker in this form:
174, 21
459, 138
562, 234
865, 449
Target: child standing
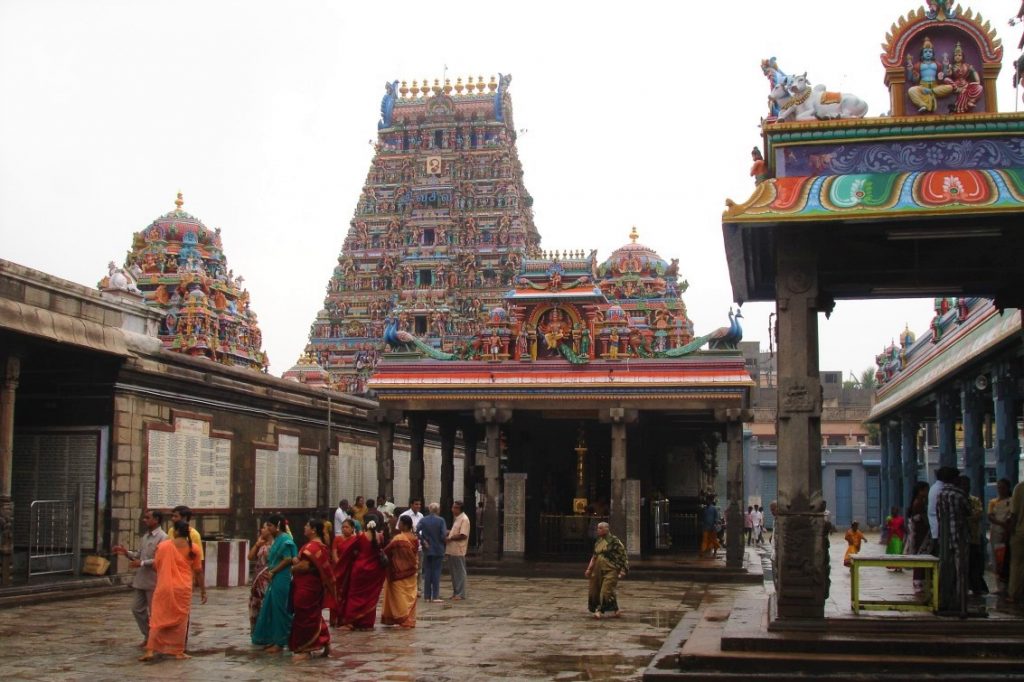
854, 538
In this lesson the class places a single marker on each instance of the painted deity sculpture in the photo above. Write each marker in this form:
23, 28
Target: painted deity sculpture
776, 77
928, 78
797, 100
965, 81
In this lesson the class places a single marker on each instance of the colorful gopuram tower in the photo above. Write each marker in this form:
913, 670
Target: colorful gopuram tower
177, 265
440, 230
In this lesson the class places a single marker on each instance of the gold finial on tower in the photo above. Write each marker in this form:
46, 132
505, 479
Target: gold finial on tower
437, 88
179, 202
404, 90
634, 235
493, 85
458, 86
415, 89
480, 85
447, 86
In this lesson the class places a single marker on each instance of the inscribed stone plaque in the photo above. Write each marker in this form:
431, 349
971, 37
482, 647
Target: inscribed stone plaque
186, 466
515, 513
285, 478
432, 474
632, 517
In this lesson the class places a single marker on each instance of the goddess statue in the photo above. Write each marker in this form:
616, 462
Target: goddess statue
928, 78
965, 81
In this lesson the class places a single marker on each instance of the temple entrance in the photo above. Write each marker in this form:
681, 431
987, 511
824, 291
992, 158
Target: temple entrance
568, 465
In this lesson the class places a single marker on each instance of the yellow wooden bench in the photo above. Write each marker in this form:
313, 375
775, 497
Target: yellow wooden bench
926, 561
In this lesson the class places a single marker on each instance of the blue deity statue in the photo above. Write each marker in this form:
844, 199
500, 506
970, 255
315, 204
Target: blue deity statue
387, 105
776, 77
503, 83
928, 80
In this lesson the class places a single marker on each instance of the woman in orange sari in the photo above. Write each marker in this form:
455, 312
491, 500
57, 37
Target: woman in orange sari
343, 554
366, 582
400, 585
311, 579
178, 567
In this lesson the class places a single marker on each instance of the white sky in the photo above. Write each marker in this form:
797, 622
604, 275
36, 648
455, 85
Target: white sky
639, 113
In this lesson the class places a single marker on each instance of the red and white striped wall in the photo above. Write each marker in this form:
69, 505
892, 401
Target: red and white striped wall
227, 563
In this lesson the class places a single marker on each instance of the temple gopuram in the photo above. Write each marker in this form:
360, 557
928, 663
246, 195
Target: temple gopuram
440, 229
585, 379
177, 265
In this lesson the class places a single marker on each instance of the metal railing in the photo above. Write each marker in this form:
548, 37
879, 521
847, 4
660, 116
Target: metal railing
54, 536
568, 535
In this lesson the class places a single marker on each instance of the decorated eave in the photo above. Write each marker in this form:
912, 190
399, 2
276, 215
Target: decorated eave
873, 196
929, 365
714, 376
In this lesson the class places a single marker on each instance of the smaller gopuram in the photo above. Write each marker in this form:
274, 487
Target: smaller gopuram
592, 394
924, 201
177, 265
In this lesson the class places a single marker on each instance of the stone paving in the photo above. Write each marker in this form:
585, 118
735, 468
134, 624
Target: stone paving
510, 628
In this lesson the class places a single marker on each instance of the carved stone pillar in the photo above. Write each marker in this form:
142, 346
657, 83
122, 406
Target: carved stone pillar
734, 419
619, 418
385, 420
974, 444
417, 431
883, 469
447, 469
12, 373
493, 418
1004, 394
908, 453
895, 468
801, 553
946, 416
470, 436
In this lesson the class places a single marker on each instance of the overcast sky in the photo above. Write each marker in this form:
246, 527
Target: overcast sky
641, 113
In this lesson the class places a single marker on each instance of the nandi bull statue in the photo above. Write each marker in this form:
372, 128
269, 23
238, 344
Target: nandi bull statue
799, 102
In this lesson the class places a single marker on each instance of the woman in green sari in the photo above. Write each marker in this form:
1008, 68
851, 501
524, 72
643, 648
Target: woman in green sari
274, 624
608, 564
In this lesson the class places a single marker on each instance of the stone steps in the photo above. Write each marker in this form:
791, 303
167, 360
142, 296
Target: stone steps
736, 644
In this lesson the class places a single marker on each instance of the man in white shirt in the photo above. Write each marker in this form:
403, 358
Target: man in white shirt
757, 518
340, 514
414, 513
455, 549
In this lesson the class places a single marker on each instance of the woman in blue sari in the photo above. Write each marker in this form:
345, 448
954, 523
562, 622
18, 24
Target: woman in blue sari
274, 624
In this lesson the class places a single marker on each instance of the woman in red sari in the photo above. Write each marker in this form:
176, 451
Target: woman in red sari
311, 578
178, 568
400, 587
343, 554
366, 582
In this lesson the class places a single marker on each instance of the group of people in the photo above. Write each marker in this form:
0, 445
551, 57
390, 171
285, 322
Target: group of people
167, 569
753, 525
945, 520
372, 552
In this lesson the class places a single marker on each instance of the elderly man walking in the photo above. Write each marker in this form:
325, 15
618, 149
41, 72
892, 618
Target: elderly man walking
144, 580
458, 543
433, 532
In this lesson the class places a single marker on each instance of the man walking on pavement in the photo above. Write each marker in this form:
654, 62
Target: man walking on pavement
458, 543
432, 531
144, 580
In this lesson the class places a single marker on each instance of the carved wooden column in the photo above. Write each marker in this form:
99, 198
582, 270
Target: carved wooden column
801, 553
1004, 394
447, 469
492, 418
12, 373
734, 418
908, 453
946, 417
385, 420
417, 431
974, 444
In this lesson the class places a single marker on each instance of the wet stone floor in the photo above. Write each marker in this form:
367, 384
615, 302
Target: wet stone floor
509, 628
